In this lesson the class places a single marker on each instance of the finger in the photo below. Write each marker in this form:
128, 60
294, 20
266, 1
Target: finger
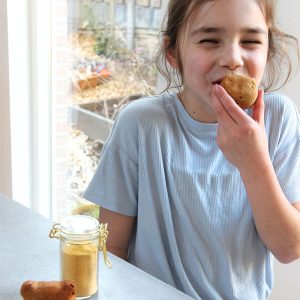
236, 113
221, 113
259, 108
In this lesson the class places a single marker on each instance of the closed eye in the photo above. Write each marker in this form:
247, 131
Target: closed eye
251, 42
208, 41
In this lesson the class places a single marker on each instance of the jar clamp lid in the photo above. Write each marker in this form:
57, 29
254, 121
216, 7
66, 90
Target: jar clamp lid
79, 228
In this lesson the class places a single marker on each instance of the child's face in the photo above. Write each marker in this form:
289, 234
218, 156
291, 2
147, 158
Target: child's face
225, 36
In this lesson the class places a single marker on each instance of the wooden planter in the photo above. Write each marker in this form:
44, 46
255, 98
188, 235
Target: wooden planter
96, 119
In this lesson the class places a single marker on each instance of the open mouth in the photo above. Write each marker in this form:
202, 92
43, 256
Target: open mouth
217, 81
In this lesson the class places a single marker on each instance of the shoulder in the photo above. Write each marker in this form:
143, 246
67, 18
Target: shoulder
280, 109
279, 103
282, 120
142, 116
151, 105
145, 111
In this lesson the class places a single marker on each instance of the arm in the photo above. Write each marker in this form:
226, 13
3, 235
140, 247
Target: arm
277, 221
120, 228
243, 141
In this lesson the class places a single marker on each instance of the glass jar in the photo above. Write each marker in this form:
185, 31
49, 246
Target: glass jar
81, 238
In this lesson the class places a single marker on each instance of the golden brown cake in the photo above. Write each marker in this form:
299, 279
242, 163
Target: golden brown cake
48, 290
241, 88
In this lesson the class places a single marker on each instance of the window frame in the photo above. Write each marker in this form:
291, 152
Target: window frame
29, 45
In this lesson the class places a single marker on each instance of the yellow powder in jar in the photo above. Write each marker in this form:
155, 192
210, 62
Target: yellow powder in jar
79, 263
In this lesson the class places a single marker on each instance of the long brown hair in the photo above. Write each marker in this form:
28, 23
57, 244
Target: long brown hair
279, 66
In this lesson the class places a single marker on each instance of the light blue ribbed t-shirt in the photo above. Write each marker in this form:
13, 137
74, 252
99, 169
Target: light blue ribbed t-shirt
195, 228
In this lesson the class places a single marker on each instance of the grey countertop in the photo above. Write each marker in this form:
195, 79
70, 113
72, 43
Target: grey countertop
27, 253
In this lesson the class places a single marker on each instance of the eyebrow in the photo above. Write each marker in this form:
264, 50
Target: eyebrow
204, 29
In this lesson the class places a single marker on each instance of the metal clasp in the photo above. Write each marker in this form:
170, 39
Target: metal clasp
54, 232
102, 243
103, 234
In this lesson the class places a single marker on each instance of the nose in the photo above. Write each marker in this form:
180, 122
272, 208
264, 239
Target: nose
231, 56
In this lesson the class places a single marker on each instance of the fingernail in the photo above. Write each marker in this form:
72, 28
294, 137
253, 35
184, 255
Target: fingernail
217, 89
261, 93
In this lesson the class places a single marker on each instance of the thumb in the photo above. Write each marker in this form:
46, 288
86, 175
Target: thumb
259, 108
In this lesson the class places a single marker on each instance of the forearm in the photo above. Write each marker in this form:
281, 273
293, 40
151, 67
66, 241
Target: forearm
276, 220
118, 252
120, 228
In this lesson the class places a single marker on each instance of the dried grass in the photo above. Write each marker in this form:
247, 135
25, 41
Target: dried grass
130, 75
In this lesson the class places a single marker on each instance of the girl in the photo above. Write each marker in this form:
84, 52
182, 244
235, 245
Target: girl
197, 191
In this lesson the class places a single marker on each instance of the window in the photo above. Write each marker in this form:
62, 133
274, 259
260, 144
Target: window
73, 64
103, 58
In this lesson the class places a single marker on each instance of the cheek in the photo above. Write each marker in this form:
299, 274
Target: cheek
194, 73
257, 66
197, 64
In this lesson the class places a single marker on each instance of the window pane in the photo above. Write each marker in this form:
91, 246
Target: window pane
104, 58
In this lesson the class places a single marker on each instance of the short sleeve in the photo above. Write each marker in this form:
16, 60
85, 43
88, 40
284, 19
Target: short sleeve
115, 183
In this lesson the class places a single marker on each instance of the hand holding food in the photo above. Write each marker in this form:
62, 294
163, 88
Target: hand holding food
48, 290
242, 89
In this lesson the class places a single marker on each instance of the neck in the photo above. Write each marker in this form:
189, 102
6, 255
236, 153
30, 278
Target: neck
197, 109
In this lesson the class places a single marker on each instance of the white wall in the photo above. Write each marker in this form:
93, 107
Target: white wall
287, 277
5, 149
289, 20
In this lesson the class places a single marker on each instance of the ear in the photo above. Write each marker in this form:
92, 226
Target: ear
170, 53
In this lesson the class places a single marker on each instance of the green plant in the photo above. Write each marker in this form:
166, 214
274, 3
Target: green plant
110, 43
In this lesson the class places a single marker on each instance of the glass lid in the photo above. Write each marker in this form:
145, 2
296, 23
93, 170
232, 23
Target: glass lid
79, 224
